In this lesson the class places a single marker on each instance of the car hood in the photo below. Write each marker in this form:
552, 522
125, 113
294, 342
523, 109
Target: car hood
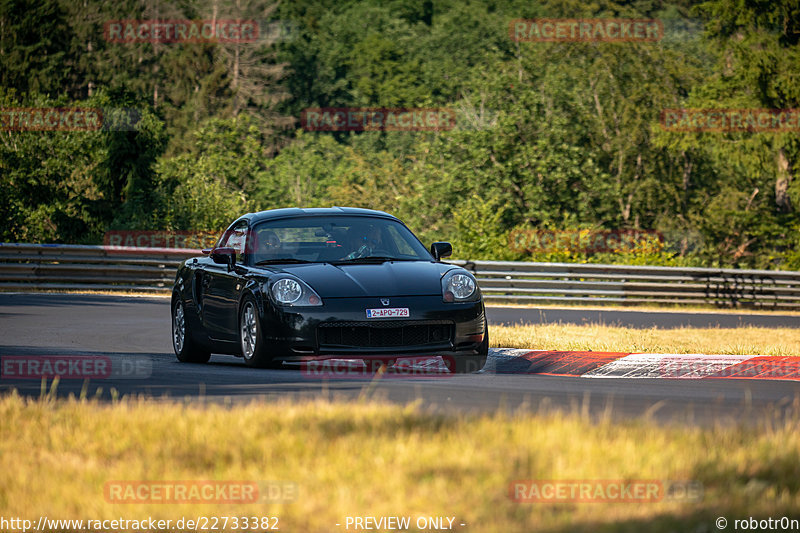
398, 278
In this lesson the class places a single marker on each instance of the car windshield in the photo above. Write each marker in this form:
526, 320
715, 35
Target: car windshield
341, 239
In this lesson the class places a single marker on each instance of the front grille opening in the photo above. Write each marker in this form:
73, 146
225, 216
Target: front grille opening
384, 334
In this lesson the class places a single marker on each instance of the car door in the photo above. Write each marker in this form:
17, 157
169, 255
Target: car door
221, 288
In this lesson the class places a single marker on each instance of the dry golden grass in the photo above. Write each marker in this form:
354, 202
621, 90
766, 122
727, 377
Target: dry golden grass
740, 341
374, 459
359, 459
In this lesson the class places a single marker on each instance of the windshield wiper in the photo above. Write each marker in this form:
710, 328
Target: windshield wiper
371, 259
291, 260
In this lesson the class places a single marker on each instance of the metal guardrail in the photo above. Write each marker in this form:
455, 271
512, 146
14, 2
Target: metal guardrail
570, 282
54, 267
67, 267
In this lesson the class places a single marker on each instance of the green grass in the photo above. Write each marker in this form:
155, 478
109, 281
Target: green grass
370, 458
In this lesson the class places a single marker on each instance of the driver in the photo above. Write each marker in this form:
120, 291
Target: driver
367, 245
269, 243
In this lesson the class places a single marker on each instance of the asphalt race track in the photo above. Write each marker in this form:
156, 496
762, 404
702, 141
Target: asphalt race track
138, 329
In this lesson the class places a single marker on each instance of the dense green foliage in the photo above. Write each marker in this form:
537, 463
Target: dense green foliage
549, 135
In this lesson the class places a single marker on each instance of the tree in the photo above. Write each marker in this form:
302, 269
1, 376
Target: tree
67, 186
755, 45
35, 51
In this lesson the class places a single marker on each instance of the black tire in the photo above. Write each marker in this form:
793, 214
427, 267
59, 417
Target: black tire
251, 342
186, 349
467, 364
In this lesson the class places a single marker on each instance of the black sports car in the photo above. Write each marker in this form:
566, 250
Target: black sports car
293, 284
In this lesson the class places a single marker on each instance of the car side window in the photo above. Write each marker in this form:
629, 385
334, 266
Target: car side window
236, 239
403, 247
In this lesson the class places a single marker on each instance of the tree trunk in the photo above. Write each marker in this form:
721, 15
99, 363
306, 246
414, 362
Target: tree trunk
782, 182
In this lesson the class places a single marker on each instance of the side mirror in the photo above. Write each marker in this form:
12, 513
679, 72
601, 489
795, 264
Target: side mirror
441, 249
224, 256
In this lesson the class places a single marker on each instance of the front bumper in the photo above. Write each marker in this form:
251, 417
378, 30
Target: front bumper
340, 327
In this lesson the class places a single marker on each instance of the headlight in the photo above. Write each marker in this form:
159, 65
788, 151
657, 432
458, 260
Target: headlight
289, 291
459, 287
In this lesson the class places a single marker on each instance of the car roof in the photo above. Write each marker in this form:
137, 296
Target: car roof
292, 212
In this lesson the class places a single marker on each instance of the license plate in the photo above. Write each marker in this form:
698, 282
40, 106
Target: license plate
388, 312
